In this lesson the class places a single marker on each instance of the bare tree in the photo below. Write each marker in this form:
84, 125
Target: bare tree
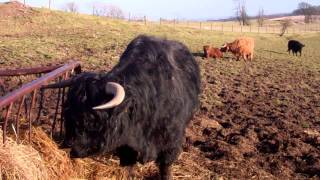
71, 7
241, 12
285, 24
307, 10
260, 17
107, 10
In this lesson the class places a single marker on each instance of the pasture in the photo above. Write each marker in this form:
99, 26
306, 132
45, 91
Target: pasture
267, 111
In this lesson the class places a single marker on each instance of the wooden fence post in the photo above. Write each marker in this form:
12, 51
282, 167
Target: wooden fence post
145, 20
305, 27
266, 28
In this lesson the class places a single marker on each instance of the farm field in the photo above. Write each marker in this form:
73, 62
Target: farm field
257, 120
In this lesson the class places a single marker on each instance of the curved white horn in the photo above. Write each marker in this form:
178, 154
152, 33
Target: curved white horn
118, 91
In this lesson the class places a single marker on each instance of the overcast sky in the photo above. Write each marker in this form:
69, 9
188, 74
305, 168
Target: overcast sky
182, 9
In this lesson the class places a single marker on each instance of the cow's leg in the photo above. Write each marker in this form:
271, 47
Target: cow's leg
237, 57
244, 57
131, 174
300, 52
165, 172
164, 162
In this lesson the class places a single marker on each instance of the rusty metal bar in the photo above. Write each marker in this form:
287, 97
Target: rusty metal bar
56, 113
62, 109
17, 119
27, 71
30, 111
29, 87
42, 96
6, 122
8, 100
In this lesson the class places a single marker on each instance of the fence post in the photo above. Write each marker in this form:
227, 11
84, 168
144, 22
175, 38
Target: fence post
305, 27
266, 28
145, 20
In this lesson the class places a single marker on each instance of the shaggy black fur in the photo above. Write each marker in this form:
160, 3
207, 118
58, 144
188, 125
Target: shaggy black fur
295, 46
162, 83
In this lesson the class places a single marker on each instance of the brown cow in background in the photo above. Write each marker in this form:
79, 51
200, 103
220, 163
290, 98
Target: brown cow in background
213, 52
241, 47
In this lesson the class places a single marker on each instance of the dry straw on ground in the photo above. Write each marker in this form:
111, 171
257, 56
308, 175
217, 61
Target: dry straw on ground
58, 163
42, 159
18, 161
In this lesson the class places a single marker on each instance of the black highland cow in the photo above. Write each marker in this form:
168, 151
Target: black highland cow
147, 100
295, 46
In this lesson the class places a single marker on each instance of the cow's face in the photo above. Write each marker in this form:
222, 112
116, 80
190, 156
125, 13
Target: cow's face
84, 132
86, 141
87, 113
83, 124
225, 48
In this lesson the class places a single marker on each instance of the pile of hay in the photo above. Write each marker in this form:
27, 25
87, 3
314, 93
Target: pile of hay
18, 161
42, 159
57, 161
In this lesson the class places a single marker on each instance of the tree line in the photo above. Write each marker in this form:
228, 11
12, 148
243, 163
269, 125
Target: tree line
307, 10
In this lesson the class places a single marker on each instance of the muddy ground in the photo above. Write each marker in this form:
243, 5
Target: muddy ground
258, 124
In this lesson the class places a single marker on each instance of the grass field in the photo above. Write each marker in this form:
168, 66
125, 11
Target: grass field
269, 109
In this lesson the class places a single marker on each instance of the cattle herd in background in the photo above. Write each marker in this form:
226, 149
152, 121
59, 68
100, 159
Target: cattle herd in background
243, 47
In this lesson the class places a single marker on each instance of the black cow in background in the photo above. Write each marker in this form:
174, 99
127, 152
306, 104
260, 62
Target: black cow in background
295, 46
139, 110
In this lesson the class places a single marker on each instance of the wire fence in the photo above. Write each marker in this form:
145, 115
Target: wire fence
274, 28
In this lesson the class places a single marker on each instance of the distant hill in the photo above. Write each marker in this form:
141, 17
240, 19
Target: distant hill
271, 16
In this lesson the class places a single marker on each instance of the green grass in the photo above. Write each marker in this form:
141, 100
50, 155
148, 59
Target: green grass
53, 36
